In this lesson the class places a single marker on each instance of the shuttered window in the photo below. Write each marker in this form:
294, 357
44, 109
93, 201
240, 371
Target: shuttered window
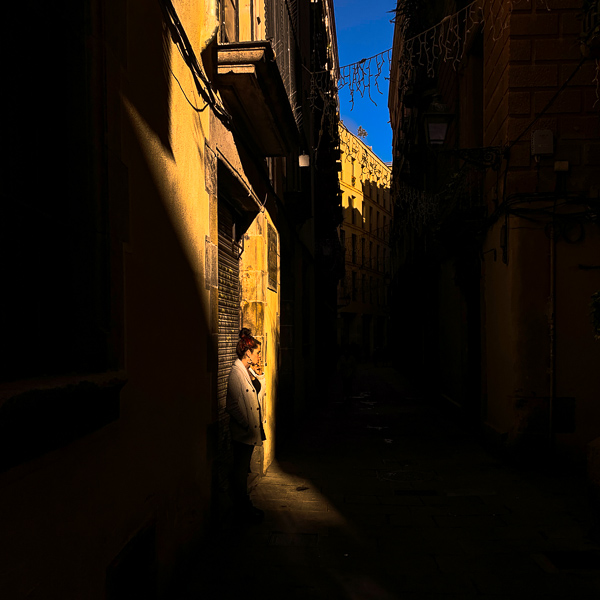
229, 326
281, 28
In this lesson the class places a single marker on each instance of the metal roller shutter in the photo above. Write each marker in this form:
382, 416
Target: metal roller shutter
229, 327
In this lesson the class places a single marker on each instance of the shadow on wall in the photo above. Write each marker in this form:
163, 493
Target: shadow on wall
101, 281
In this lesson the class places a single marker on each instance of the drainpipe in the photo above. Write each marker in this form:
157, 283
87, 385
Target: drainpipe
552, 325
211, 22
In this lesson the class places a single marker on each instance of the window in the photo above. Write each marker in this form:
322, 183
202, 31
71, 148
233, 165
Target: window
62, 307
353, 285
277, 21
354, 248
362, 251
362, 213
229, 21
272, 263
245, 21
343, 241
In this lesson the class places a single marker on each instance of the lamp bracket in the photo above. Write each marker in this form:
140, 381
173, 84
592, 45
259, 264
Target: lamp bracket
488, 156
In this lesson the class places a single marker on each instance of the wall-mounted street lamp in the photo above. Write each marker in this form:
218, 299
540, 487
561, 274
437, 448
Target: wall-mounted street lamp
437, 119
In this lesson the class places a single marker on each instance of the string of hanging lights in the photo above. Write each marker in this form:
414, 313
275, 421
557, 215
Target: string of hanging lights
445, 41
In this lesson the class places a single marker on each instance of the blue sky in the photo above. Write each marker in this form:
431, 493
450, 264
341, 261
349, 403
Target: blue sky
363, 30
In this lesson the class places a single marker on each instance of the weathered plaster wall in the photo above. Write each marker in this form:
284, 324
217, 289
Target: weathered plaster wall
68, 515
260, 313
532, 381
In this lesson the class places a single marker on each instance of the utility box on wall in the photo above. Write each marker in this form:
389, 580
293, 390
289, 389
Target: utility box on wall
542, 142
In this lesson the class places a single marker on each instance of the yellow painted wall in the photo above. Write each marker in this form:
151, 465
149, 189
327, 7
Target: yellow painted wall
517, 299
577, 352
67, 515
517, 317
260, 313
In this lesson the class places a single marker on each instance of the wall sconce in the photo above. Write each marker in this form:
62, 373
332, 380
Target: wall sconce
304, 160
437, 119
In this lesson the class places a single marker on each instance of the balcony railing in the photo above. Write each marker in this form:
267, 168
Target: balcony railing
242, 26
281, 31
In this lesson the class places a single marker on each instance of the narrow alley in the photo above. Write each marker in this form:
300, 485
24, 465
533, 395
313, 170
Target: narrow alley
389, 497
229, 228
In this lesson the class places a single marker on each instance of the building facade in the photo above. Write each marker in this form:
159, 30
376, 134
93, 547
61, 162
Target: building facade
363, 299
496, 149
157, 205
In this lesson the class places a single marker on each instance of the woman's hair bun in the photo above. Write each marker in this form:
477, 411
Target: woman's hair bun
247, 342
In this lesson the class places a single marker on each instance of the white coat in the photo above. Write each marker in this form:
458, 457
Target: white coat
243, 404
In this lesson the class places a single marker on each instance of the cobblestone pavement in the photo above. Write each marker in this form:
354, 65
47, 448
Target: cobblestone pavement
388, 498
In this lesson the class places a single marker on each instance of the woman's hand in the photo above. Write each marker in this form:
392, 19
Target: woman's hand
255, 372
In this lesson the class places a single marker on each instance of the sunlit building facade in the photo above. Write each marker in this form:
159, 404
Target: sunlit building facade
363, 303
157, 207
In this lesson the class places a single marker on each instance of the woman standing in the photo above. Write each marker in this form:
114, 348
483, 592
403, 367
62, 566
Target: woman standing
245, 391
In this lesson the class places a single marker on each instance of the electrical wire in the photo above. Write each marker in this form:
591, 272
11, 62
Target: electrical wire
549, 103
199, 110
181, 40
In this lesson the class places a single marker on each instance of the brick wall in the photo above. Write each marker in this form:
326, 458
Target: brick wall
536, 55
527, 294
495, 78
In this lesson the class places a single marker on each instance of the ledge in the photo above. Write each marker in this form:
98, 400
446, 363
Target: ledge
251, 86
39, 416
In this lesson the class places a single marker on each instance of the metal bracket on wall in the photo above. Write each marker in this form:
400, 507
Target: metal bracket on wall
484, 158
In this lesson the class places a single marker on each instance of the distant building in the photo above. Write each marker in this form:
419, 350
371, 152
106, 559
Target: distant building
363, 304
